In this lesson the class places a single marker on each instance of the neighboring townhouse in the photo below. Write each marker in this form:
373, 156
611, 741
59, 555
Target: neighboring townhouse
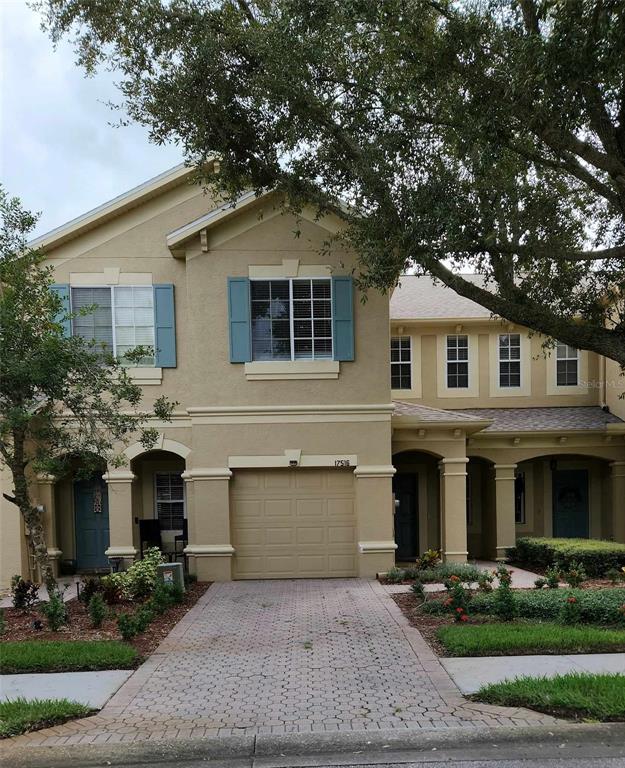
304, 444
539, 432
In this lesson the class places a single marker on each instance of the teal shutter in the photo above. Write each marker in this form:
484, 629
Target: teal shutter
164, 326
239, 319
63, 317
343, 318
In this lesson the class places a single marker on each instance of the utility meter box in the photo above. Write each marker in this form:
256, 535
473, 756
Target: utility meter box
171, 574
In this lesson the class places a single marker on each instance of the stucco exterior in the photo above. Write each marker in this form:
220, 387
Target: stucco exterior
320, 440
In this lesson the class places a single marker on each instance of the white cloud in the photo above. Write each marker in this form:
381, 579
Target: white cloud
58, 150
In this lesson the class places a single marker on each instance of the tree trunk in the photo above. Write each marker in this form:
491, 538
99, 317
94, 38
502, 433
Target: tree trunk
32, 515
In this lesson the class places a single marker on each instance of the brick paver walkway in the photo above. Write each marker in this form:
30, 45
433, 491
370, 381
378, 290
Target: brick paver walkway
285, 656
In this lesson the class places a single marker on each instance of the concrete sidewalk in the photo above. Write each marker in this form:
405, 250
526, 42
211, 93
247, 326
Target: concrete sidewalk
91, 688
470, 674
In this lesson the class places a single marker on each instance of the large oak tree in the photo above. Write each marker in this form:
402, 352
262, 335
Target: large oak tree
452, 134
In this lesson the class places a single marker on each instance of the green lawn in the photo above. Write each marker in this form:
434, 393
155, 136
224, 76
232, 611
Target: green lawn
578, 696
70, 656
20, 716
527, 638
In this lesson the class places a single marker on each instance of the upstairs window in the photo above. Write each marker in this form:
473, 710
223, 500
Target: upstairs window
291, 319
169, 500
122, 320
509, 360
567, 365
457, 362
401, 362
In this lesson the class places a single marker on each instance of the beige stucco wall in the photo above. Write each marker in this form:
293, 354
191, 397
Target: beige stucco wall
538, 369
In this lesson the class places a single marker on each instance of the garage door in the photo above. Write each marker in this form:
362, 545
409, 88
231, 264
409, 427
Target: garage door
295, 523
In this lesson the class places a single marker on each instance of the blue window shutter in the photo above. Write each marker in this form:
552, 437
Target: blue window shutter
239, 319
343, 317
164, 326
63, 318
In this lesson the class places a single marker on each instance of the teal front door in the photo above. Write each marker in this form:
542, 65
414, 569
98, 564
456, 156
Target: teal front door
92, 523
570, 503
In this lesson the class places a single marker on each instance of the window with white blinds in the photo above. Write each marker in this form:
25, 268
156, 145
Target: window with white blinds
169, 500
291, 319
122, 320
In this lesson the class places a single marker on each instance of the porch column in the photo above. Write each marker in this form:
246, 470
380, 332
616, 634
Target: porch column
617, 474
505, 531
374, 516
208, 511
121, 546
454, 509
45, 493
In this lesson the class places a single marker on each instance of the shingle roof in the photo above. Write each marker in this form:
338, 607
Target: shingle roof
417, 297
425, 413
542, 419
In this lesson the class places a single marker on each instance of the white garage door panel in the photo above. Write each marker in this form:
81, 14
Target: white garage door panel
293, 523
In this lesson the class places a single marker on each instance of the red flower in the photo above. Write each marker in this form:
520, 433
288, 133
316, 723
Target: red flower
454, 578
459, 610
464, 617
571, 599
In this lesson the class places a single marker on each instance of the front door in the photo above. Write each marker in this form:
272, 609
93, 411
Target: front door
570, 503
406, 517
92, 523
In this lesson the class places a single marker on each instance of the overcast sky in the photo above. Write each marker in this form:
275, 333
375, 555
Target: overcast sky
58, 151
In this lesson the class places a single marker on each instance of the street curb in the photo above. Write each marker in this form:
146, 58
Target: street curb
303, 744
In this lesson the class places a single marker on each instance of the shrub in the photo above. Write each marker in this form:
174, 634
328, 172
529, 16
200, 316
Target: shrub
485, 582
429, 559
142, 618
504, 602
139, 580
552, 578
395, 575
418, 589
97, 610
574, 575
570, 612
597, 606
90, 586
540, 583
614, 575
457, 600
54, 612
177, 593
24, 594
594, 555
112, 588
412, 572
161, 599
444, 571
127, 626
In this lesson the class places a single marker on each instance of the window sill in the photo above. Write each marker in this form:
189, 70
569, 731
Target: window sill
283, 370
146, 376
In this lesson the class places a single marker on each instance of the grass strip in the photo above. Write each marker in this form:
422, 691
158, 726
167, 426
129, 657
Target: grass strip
65, 656
21, 715
577, 696
527, 638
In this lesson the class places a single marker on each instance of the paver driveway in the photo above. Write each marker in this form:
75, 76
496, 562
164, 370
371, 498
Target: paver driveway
282, 656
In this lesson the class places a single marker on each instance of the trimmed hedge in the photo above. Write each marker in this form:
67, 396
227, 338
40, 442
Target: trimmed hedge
594, 555
597, 606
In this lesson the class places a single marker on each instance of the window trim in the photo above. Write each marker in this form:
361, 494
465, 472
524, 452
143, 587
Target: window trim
156, 502
400, 362
294, 359
473, 390
467, 361
577, 360
112, 288
519, 360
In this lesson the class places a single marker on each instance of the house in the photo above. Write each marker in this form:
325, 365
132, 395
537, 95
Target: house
315, 435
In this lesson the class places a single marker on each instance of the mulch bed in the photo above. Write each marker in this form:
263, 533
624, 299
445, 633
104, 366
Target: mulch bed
19, 625
426, 623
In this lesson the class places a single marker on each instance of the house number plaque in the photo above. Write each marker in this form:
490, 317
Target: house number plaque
341, 463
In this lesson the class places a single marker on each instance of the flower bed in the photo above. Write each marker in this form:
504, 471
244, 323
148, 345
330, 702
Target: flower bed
21, 625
